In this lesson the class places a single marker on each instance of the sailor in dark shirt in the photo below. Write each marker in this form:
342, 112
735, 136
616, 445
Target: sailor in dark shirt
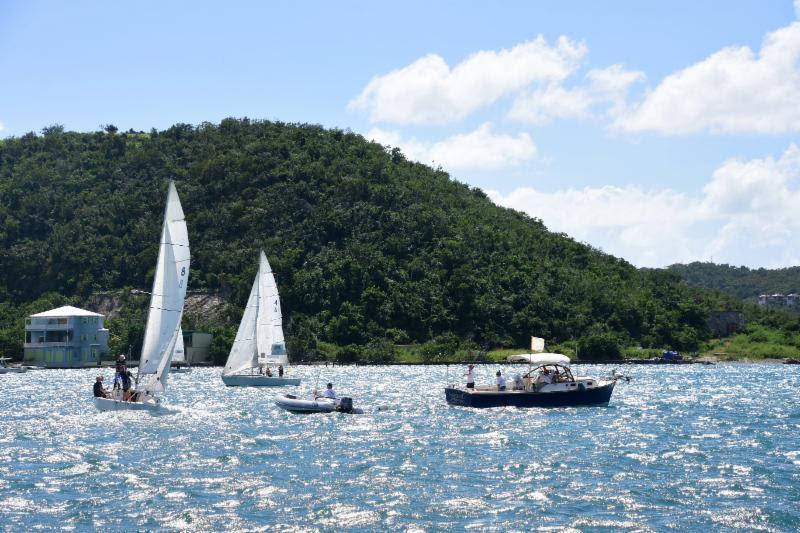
99, 391
126, 378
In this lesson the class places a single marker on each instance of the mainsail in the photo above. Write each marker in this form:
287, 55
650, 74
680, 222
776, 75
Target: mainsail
259, 339
269, 327
178, 353
167, 297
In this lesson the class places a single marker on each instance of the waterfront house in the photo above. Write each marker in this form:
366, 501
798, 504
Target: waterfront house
67, 337
197, 346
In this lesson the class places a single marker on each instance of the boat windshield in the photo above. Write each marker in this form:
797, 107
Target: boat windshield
556, 373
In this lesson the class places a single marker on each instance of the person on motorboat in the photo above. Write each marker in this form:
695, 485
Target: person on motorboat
269, 373
329, 392
280, 371
501, 381
470, 376
99, 390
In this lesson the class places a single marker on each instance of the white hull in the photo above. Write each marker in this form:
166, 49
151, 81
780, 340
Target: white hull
297, 405
109, 404
12, 369
258, 381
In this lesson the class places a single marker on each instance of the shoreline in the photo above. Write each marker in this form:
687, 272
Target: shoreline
706, 361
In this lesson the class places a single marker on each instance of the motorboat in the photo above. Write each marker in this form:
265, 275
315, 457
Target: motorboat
315, 404
259, 340
550, 384
6, 369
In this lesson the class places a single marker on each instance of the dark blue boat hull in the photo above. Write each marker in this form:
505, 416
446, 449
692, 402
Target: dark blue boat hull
598, 396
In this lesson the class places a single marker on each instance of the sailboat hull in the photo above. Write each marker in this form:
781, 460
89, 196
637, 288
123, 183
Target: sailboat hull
258, 381
109, 404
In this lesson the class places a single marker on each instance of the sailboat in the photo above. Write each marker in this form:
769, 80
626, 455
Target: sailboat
179, 356
163, 327
259, 341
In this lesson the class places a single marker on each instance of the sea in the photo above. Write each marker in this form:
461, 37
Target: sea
680, 447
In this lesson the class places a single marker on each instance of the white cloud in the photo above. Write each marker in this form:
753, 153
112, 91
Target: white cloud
734, 90
747, 215
549, 102
479, 149
606, 87
428, 91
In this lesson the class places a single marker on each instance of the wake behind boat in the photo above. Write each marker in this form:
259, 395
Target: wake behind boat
259, 341
550, 384
164, 316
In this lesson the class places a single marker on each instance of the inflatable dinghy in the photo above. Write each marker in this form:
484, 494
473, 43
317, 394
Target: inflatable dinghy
316, 405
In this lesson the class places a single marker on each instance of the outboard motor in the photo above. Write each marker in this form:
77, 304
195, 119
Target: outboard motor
345, 405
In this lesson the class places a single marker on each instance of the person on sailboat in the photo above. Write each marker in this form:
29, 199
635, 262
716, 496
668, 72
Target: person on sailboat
120, 361
470, 376
126, 378
329, 392
269, 373
280, 371
99, 390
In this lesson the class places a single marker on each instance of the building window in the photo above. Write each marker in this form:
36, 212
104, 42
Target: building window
28, 337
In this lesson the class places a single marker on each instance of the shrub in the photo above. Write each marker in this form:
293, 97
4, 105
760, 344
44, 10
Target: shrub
599, 347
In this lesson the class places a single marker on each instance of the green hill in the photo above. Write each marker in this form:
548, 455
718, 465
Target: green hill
740, 282
369, 249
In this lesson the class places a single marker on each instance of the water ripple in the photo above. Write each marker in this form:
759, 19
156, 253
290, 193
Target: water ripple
680, 448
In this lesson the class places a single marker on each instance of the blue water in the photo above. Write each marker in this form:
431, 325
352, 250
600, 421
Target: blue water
680, 448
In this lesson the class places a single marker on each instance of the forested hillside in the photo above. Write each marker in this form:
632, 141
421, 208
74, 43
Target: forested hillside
369, 249
740, 282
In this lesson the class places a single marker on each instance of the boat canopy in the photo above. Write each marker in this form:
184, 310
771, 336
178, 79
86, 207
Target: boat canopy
539, 358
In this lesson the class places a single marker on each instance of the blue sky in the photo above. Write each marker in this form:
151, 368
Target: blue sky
661, 132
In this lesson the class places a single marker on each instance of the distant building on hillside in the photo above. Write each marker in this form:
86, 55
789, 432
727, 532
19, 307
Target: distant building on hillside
725, 323
197, 346
780, 301
66, 337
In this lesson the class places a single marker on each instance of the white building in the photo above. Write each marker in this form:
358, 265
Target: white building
66, 337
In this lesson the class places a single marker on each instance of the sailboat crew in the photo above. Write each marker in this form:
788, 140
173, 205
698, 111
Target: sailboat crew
471, 376
99, 390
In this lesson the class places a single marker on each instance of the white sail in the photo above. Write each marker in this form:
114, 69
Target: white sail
167, 297
269, 328
259, 339
243, 354
178, 353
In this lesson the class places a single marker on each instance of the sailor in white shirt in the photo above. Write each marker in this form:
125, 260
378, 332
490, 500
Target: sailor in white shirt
501, 381
329, 392
470, 377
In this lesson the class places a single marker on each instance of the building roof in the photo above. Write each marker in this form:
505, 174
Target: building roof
67, 310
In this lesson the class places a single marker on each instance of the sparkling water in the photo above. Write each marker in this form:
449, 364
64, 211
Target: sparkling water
685, 447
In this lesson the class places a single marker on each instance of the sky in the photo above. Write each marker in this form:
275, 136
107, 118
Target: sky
660, 132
